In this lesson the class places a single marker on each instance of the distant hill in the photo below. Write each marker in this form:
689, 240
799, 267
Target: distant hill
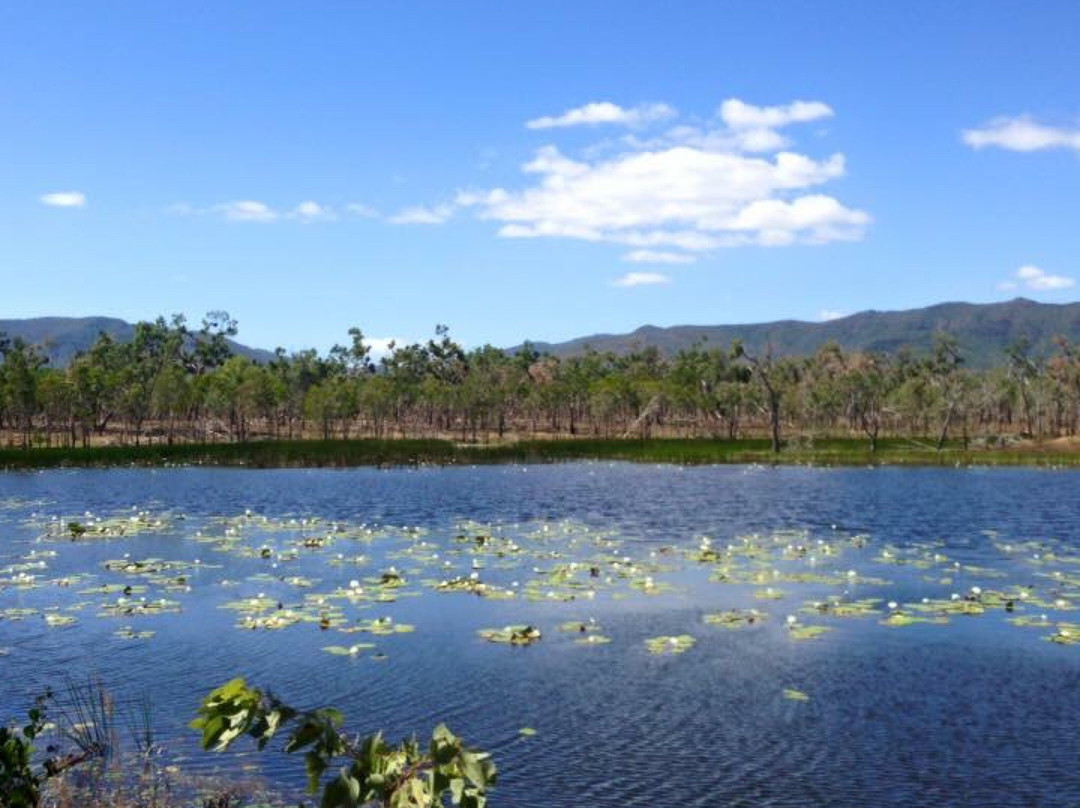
62, 338
983, 330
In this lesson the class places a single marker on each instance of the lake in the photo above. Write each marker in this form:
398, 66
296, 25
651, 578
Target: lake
945, 675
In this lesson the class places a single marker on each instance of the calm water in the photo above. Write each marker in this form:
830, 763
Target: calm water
978, 712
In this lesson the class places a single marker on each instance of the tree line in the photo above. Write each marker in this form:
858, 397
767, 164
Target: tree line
175, 383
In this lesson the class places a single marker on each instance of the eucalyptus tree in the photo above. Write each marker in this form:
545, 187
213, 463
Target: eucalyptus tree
19, 385
869, 383
153, 349
97, 376
56, 405
1024, 372
774, 377
1063, 376
944, 372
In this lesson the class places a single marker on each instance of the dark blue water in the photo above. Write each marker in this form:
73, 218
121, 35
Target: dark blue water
978, 712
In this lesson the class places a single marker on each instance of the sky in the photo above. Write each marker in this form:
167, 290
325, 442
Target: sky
533, 171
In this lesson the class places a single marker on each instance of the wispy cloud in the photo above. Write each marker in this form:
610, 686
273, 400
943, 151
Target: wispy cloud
1022, 134
64, 199
1034, 279
658, 257
421, 214
641, 279
830, 314
309, 211
362, 210
252, 210
604, 112
246, 210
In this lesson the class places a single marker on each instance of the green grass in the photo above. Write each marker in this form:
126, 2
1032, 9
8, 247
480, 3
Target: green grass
341, 453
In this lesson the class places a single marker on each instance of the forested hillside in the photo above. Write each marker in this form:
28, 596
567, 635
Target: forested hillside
983, 332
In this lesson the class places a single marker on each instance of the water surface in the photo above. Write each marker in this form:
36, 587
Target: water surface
975, 712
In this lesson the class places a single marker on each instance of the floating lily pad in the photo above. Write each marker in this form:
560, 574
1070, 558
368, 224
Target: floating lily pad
900, 619
512, 635
676, 644
1066, 634
802, 631
592, 639
838, 607
770, 593
351, 650
736, 618
128, 633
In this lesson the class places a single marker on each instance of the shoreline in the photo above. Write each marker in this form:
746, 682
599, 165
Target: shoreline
418, 452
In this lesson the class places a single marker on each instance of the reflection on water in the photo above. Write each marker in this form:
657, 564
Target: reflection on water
934, 682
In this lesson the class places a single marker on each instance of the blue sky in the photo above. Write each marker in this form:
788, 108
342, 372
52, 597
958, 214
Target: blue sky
533, 171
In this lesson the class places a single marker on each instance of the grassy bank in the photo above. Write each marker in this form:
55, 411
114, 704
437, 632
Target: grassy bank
339, 453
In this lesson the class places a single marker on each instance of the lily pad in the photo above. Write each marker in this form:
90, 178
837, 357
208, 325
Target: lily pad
512, 635
803, 631
675, 644
736, 618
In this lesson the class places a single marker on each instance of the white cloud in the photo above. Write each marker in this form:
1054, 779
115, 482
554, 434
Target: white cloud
1022, 134
694, 189
1036, 280
382, 346
362, 210
604, 112
64, 199
658, 257
420, 214
740, 115
246, 210
830, 314
250, 210
777, 222
641, 279
309, 211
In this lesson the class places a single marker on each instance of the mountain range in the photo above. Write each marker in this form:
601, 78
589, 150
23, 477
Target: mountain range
61, 338
984, 331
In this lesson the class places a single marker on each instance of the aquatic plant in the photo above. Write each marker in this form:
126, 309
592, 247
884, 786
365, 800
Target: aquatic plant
736, 618
372, 771
512, 635
677, 644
